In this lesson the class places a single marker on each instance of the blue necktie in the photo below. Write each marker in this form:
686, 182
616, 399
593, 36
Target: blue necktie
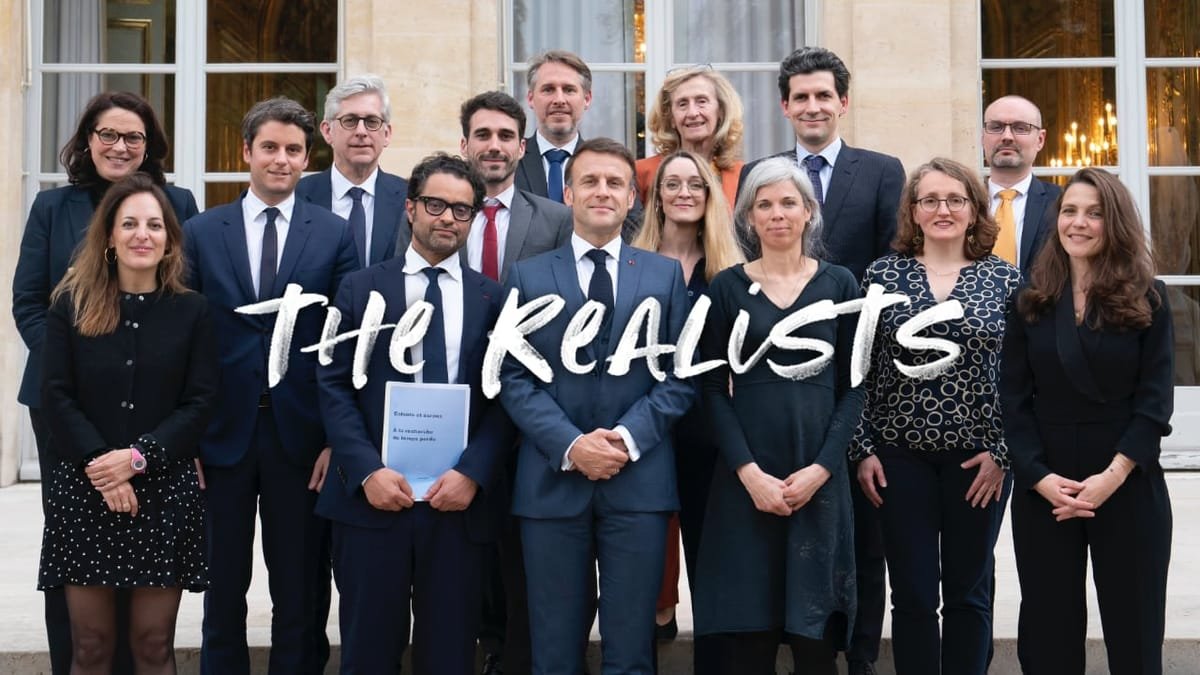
813, 164
358, 224
600, 288
433, 347
270, 255
554, 180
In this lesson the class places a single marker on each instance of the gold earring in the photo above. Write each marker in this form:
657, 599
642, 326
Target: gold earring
917, 239
110, 251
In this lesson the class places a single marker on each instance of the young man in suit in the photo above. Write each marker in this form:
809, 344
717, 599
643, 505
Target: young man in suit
358, 127
560, 91
595, 476
859, 191
511, 226
1022, 205
393, 545
266, 449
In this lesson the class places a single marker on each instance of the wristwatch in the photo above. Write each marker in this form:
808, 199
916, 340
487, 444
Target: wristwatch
138, 462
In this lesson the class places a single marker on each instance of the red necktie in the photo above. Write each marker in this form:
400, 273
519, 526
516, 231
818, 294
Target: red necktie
491, 243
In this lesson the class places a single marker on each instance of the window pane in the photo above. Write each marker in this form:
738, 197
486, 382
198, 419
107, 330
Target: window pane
1078, 111
64, 96
1174, 105
216, 194
598, 31
766, 130
1175, 223
1026, 29
751, 30
1185, 314
109, 32
1171, 28
230, 96
617, 109
261, 31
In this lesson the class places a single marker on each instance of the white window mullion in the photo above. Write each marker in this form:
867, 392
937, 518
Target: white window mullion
660, 55
1132, 112
190, 53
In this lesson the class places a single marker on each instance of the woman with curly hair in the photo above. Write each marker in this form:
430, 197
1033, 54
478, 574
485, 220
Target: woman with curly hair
1088, 396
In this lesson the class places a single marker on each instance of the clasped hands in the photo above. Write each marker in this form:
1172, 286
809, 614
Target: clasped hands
782, 496
388, 490
1080, 499
599, 454
110, 474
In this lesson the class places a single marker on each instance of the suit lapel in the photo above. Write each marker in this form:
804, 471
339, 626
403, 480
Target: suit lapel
1070, 350
1035, 207
520, 217
474, 310
629, 276
531, 164
389, 210
234, 234
79, 214
322, 192
293, 246
840, 183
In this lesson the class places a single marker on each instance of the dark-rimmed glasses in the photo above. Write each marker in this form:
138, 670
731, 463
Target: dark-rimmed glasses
954, 203
350, 122
133, 139
436, 207
1018, 128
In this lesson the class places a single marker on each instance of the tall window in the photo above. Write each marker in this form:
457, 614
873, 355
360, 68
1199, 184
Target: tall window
1118, 82
630, 46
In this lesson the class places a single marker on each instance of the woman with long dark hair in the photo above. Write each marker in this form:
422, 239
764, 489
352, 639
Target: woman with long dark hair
129, 377
1088, 396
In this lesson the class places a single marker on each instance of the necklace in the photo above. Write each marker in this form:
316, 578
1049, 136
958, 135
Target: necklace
804, 276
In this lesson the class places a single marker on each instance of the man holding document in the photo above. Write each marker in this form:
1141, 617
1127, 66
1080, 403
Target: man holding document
414, 455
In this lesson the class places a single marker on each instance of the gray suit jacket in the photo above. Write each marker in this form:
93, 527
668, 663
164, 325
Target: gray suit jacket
535, 225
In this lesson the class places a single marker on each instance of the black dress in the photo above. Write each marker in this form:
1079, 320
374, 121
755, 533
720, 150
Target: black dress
758, 571
151, 382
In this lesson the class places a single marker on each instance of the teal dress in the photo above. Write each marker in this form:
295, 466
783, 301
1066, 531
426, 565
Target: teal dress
758, 571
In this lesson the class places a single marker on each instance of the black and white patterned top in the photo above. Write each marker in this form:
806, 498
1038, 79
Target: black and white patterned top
959, 409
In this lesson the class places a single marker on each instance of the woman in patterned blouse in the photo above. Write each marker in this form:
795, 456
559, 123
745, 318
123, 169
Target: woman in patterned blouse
930, 445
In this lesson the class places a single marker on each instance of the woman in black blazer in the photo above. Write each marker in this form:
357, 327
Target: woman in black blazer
1087, 398
129, 378
118, 134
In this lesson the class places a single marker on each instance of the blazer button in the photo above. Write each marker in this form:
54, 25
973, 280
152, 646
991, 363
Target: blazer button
129, 362
135, 324
124, 404
126, 322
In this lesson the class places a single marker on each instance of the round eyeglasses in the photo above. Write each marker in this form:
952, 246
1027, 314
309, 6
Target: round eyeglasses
350, 122
930, 204
436, 207
1018, 128
133, 139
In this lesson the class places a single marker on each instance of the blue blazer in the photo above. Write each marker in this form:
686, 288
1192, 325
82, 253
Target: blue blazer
860, 206
354, 418
317, 253
390, 230
57, 222
1041, 220
551, 415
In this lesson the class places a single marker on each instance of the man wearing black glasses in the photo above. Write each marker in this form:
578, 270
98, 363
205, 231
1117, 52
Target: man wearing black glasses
1021, 204
398, 543
358, 127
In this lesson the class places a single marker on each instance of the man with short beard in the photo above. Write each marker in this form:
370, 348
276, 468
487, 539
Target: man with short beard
1022, 205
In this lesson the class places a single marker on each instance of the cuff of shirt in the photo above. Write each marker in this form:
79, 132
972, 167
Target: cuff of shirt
567, 464
634, 453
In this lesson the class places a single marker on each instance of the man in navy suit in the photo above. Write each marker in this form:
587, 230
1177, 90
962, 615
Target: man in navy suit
512, 225
859, 191
393, 545
266, 448
358, 127
595, 469
1012, 137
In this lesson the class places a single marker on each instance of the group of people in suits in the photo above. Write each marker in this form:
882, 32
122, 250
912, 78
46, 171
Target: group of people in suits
790, 486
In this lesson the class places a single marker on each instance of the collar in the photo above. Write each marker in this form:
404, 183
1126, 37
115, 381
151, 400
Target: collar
829, 152
341, 185
414, 262
505, 197
544, 144
257, 205
580, 247
1021, 186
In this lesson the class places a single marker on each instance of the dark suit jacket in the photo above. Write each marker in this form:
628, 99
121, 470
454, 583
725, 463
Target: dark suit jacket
317, 253
551, 415
390, 231
57, 222
1041, 220
355, 417
1066, 387
860, 206
535, 225
531, 177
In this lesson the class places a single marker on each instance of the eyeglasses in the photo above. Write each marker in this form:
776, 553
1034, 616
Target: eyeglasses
1018, 128
133, 139
350, 122
436, 207
930, 204
674, 185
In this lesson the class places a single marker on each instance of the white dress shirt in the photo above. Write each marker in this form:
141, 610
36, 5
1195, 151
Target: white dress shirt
544, 144
256, 224
342, 203
451, 284
475, 236
1018, 205
830, 153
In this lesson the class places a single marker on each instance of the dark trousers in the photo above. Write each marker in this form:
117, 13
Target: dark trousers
931, 535
58, 620
694, 462
267, 482
561, 554
869, 577
1130, 545
755, 654
425, 559
504, 629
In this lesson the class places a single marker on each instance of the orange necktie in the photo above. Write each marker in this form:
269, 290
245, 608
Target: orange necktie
1006, 240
